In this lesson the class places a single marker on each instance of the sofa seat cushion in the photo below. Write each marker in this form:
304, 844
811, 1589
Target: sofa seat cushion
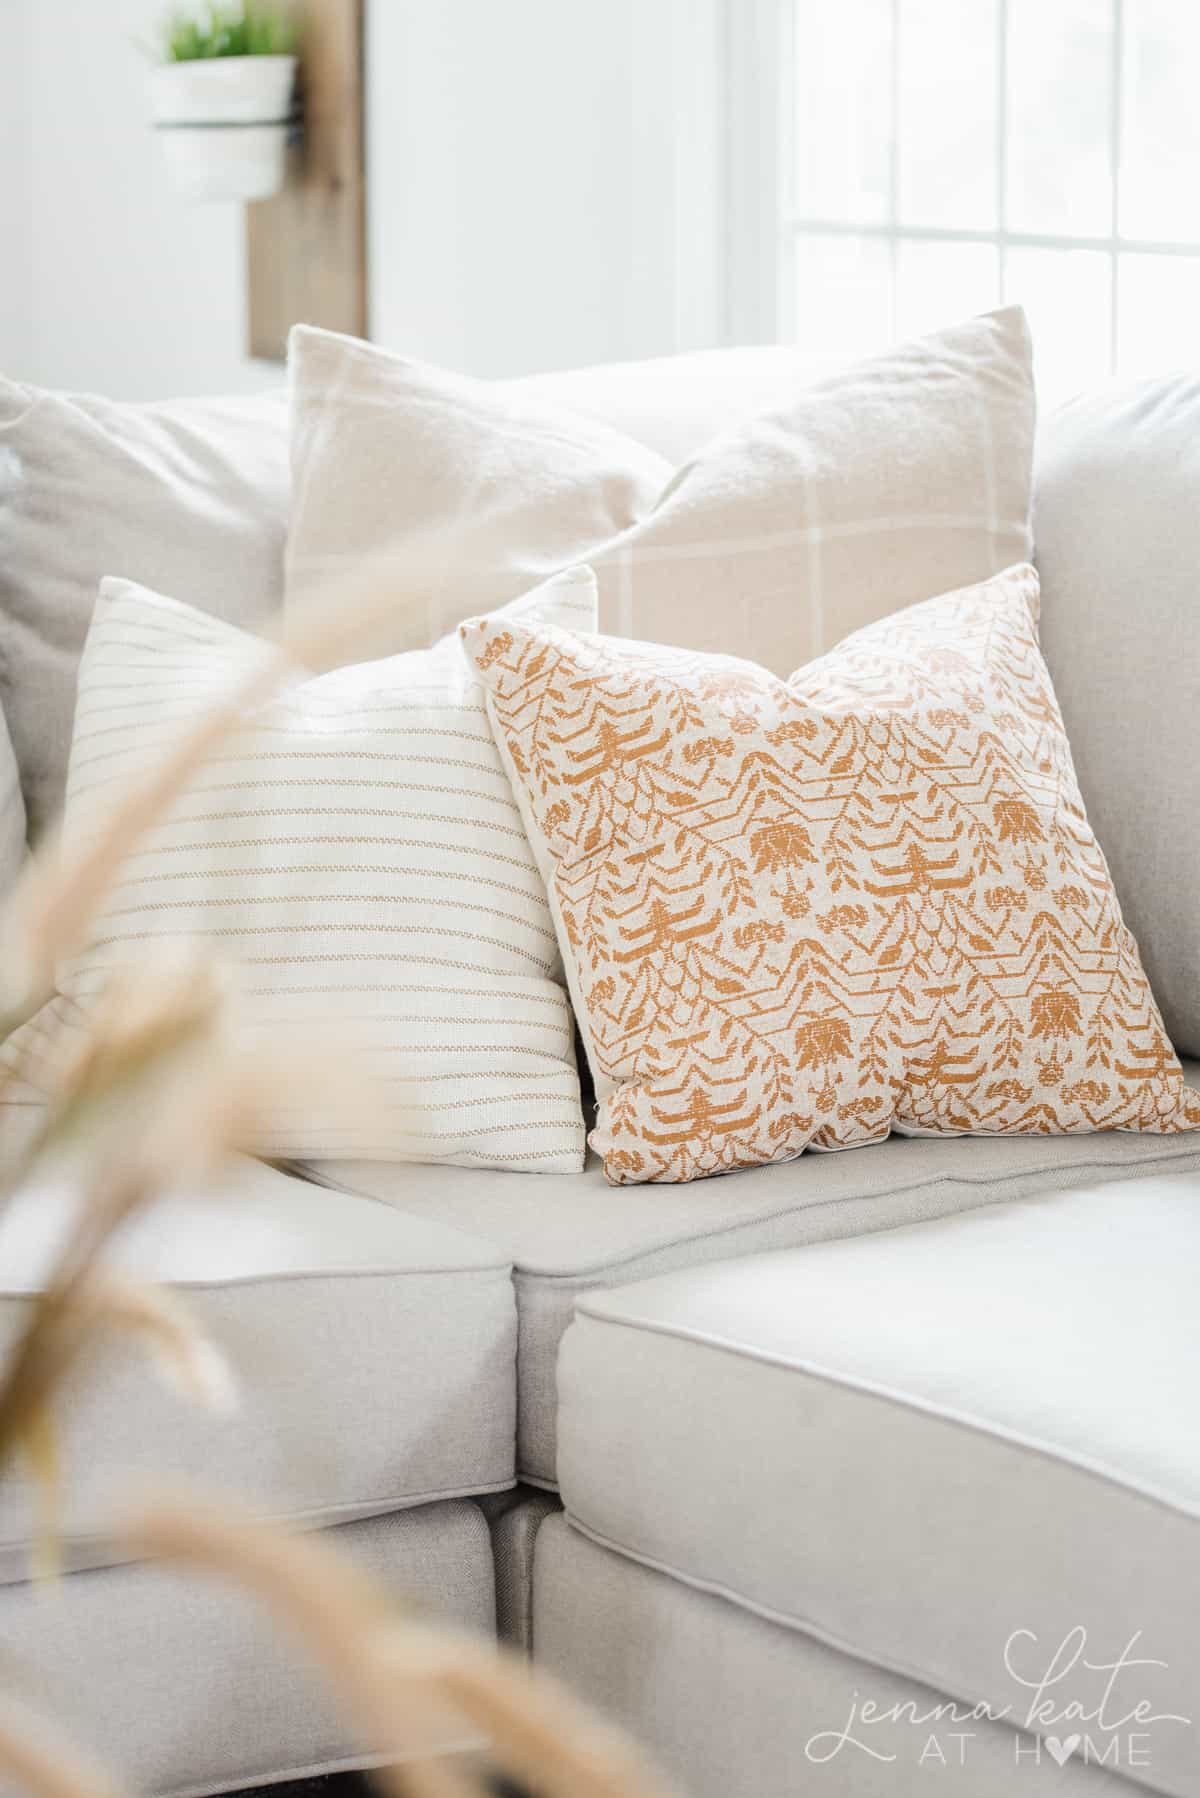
184, 1686
373, 1353
944, 1448
570, 1235
738, 1707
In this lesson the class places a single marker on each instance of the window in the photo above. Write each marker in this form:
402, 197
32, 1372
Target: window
935, 158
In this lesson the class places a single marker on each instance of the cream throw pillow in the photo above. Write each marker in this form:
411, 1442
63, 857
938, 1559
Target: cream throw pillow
802, 916
473, 495
904, 476
357, 851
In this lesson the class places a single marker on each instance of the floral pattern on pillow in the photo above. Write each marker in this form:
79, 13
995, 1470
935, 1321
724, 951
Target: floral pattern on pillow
806, 914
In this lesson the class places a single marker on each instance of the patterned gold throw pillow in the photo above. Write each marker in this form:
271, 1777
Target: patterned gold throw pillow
802, 915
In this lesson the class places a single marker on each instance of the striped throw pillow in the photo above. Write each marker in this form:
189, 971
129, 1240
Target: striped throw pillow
357, 851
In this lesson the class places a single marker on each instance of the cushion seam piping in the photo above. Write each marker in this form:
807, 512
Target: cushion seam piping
288, 1277
784, 1620
351, 1512
1190, 1153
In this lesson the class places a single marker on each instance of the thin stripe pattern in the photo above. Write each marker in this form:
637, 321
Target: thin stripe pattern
354, 851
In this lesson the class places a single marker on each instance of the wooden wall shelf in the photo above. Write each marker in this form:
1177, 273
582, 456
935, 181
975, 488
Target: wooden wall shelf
306, 248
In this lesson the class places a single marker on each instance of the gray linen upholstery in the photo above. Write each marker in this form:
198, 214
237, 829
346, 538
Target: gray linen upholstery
180, 1684
187, 496
573, 1234
1117, 529
374, 1354
729, 1702
12, 813
919, 1441
515, 1519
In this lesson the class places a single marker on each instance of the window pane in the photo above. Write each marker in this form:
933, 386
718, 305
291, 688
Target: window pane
842, 125
843, 294
1068, 296
939, 283
1160, 150
946, 123
1158, 306
1060, 116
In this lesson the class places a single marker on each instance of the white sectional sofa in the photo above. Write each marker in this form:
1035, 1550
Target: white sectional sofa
875, 1429
593, 1237
934, 1463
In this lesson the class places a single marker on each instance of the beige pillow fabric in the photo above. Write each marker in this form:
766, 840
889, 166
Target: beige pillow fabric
806, 915
356, 853
189, 496
474, 493
900, 477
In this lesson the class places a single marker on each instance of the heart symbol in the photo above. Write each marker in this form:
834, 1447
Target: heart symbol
1062, 1751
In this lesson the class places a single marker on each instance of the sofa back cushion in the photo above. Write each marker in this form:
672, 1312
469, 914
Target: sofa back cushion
1117, 524
676, 404
189, 496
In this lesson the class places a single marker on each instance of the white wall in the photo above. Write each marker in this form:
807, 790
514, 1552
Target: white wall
542, 176
128, 291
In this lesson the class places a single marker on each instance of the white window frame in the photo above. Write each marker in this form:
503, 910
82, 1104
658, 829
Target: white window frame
762, 226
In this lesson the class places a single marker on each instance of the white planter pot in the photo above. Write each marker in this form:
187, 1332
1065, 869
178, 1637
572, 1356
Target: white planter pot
223, 124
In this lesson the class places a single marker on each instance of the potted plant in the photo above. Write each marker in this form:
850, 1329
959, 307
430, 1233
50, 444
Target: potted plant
222, 98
